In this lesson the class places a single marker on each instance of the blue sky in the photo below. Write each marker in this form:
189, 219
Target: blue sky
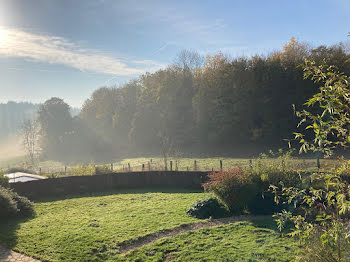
70, 48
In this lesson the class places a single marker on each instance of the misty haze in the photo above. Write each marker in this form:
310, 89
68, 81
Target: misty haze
174, 131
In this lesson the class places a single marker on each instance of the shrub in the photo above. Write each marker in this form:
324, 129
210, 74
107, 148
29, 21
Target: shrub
4, 181
273, 171
209, 207
234, 187
103, 169
24, 205
13, 205
83, 170
8, 206
263, 203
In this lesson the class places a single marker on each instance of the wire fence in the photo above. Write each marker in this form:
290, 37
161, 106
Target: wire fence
208, 165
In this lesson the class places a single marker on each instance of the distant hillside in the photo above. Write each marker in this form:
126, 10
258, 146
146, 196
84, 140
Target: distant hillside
13, 114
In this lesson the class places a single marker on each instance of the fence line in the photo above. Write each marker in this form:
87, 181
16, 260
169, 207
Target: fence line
173, 165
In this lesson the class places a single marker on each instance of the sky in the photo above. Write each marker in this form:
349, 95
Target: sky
68, 49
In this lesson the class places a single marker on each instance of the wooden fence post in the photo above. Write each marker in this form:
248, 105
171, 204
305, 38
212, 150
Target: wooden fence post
171, 165
112, 167
195, 165
65, 170
40, 171
220, 165
143, 167
129, 167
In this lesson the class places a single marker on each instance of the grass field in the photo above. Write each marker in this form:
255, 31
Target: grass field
240, 241
91, 228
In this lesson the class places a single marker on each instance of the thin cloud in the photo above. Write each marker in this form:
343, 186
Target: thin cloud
58, 50
158, 50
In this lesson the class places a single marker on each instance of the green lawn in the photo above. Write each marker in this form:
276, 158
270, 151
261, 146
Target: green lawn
241, 241
89, 228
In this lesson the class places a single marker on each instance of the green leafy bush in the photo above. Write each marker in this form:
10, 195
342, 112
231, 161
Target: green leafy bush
103, 169
234, 187
274, 170
83, 170
13, 205
249, 188
322, 218
8, 205
209, 207
264, 204
24, 205
4, 181
267, 171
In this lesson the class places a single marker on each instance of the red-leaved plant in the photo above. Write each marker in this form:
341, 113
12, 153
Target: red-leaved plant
234, 187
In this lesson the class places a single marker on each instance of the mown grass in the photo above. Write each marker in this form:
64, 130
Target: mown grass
241, 241
89, 228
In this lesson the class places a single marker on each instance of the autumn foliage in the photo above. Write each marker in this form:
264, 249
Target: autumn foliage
234, 187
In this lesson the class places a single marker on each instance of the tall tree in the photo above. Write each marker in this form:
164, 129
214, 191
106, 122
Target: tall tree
56, 125
31, 136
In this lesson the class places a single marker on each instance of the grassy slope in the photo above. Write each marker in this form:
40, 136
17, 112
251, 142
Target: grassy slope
89, 229
241, 241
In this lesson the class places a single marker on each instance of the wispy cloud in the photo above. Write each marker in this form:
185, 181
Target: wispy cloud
158, 50
58, 50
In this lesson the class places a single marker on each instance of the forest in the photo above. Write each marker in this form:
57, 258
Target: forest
203, 106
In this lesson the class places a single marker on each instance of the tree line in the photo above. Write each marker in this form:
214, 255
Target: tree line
12, 116
201, 106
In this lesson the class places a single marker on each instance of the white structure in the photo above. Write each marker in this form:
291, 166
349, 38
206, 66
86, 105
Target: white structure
23, 177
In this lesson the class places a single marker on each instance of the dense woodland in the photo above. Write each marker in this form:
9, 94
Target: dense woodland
215, 105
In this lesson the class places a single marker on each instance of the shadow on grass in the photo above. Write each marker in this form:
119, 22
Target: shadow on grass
270, 223
117, 192
8, 229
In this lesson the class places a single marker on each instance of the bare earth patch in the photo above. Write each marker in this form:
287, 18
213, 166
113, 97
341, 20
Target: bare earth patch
7, 255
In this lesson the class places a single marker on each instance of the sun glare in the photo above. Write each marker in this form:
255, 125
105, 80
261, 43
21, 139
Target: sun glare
3, 36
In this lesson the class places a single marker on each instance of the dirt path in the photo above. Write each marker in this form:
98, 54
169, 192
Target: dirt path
7, 255
127, 246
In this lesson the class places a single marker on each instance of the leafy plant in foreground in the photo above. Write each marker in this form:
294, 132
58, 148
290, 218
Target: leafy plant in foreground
323, 207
